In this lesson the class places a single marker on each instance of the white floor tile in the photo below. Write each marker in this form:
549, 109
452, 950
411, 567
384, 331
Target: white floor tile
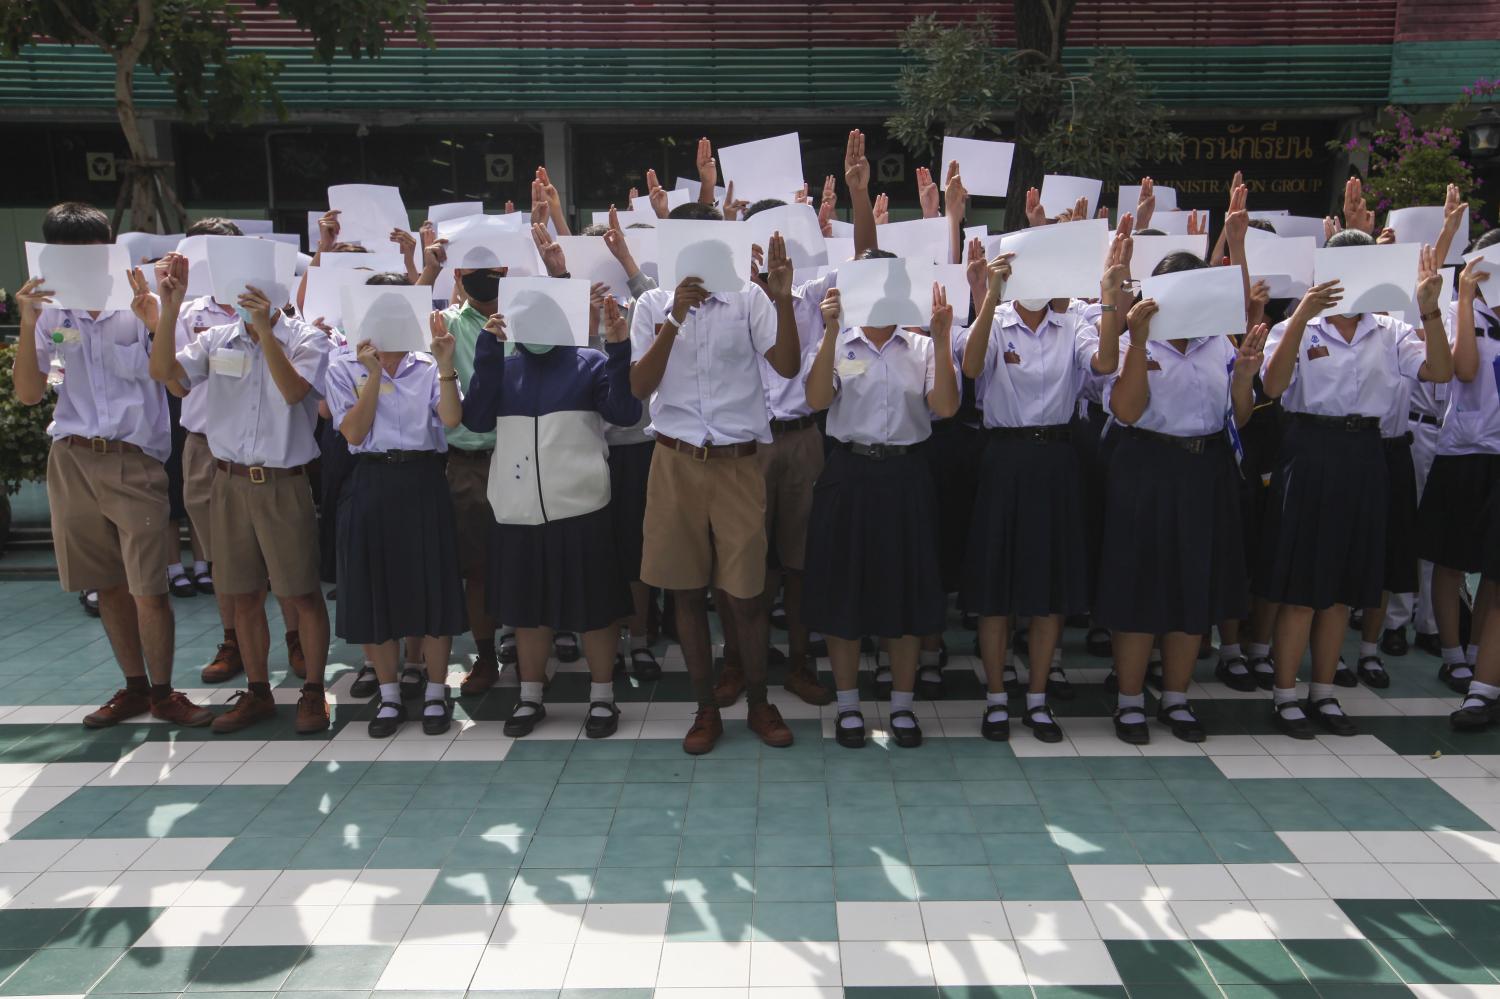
879, 921
965, 920
227, 888
541, 924
1357, 881
885, 963
1226, 919
12, 884
1381, 766
68, 774
1249, 767
181, 854
1447, 880
522, 966
103, 855
1469, 847
453, 924
1195, 882
1307, 919
391, 887
366, 924
631, 965
715, 965
33, 855
1487, 875
62, 890
1447, 766
976, 962
435, 967
1326, 847
778, 964
278, 774
195, 772
1070, 962
1267, 881
1402, 847
1315, 766
267, 925
143, 889
1050, 921
1456, 991
1116, 882
311, 887
196, 926
1136, 921
1234, 745
623, 922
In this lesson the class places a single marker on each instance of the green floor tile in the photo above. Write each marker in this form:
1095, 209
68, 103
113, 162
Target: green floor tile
1304, 991
247, 969
469, 886
31, 928
984, 992
1020, 849
717, 851
727, 821
554, 885
107, 927
794, 921
1249, 962
955, 884
714, 884
998, 792
874, 884
1095, 848
1435, 962
1248, 847
640, 850
1467, 919
1032, 883
794, 884
1383, 919
701, 922
1080, 992
853, 849
12, 958
923, 820
633, 884
935, 850
811, 850
346, 967
1333, 962
1158, 962
1173, 848
156, 969
563, 851
70, 971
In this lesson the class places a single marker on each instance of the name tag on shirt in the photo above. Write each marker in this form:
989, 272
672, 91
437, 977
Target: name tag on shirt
230, 363
1011, 357
848, 368
1313, 353
1152, 364
65, 334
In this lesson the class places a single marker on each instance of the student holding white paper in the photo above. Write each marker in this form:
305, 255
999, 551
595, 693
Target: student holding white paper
1027, 550
872, 561
106, 487
1324, 545
1173, 563
397, 539
262, 376
552, 563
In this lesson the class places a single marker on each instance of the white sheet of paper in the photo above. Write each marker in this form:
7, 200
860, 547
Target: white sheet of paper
628, 218
489, 242
453, 210
254, 227
764, 168
916, 239
798, 225
1148, 251
1053, 261
984, 164
235, 262
717, 252
146, 246
954, 279
312, 231
289, 238
368, 213
1294, 225
692, 185
643, 248
1285, 263
1130, 196
1173, 223
1413, 314
508, 221
840, 228
1423, 224
975, 232
392, 317
321, 297
546, 310
1490, 256
840, 249
200, 282
886, 291
1060, 192
377, 261
641, 205
1209, 301
82, 277
588, 258
1375, 278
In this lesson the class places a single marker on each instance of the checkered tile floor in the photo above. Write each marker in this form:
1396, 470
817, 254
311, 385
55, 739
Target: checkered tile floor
146, 860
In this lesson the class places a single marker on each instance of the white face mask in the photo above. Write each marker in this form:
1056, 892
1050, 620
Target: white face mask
1349, 315
1034, 304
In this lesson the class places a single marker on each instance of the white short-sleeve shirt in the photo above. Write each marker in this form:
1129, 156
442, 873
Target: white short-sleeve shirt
1032, 378
880, 393
1189, 390
1357, 377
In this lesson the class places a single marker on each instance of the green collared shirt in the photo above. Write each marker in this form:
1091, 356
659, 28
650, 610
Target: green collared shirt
466, 324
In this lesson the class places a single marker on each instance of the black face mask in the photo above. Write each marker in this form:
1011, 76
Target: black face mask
482, 286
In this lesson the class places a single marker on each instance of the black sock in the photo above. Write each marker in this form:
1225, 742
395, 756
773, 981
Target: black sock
138, 685
160, 692
312, 688
755, 693
485, 647
260, 690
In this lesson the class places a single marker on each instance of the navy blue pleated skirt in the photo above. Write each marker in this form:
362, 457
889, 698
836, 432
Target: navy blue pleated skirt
872, 549
335, 465
1401, 516
952, 454
564, 574
397, 553
1455, 516
629, 472
1172, 556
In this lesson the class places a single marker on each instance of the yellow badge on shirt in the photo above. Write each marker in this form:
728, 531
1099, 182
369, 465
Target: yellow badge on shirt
229, 363
848, 367
65, 334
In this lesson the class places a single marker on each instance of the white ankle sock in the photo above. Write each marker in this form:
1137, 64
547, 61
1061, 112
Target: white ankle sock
390, 695
1287, 695
601, 692
1454, 655
1228, 652
1318, 691
1132, 708
1035, 700
1368, 650
848, 700
174, 570
1176, 705
996, 707
435, 692
1478, 690
529, 692
902, 702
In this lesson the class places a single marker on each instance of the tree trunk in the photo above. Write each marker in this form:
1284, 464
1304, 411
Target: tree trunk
1041, 25
141, 199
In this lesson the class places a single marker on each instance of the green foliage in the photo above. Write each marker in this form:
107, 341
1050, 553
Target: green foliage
1101, 124
23, 432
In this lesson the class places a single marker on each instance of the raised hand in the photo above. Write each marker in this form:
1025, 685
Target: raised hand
1197, 225
616, 330
657, 194
435, 255
826, 209
998, 272
708, 171
1331, 227
32, 298
1357, 214
328, 230
174, 279
1470, 278
830, 192
427, 234
1237, 219
955, 195
539, 202
142, 302
1078, 212
405, 242
1117, 258
942, 312
442, 345
258, 304
1260, 297
778, 269
927, 193
733, 207
882, 209
1145, 202
801, 197
366, 354
598, 292
614, 238
550, 249
1429, 281
1455, 210
1318, 300
1387, 237
1035, 214
831, 310
495, 327
1251, 355
1138, 320
856, 167
688, 296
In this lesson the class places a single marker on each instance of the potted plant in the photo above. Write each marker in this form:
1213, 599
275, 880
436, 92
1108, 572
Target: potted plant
23, 440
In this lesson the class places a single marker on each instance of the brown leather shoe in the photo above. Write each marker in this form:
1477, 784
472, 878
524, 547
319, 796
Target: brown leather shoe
765, 721
178, 710
731, 684
804, 683
484, 675
123, 705
245, 709
312, 712
225, 665
294, 656
707, 727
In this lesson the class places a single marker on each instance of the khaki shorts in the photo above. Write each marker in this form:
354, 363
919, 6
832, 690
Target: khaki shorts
197, 489
705, 522
109, 519
263, 534
791, 466
468, 484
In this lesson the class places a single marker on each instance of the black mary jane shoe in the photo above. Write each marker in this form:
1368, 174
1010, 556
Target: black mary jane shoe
995, 731
1476, 717
366, 685
1243, 682
1059, 687
413, 682
204, 584
1457, 684
883, 687
182, 586
930, 685
1393, 642
437, 724
1343, 676
384, 728
1098, 644
1039, 720
643, 665
89, 601
1187, 729
1428, 643
565, 647
1265, 679
906, 736
506, 652
1132, 733
601, 726
518, 726
1297, 728
1338, 724
1373, 675
849, 736
1112, 680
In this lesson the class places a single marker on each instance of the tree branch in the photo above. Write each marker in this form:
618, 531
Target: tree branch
145, 23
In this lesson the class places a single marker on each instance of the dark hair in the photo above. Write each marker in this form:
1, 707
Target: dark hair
696, 210
1176, 262
347, 248
75, 223
1350, 237
388, 277
1150, 231
1262, 225
763, 204
593, 230
640, 225
1487, 239
874, 253
214, 227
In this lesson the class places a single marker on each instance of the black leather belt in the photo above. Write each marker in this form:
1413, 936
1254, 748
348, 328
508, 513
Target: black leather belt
397, 457
878, 452
1431, 421
787, 426
1192, 445
1350, 424
1055, 433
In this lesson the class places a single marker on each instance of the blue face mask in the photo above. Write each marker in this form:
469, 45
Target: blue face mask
537, 348
244, 314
